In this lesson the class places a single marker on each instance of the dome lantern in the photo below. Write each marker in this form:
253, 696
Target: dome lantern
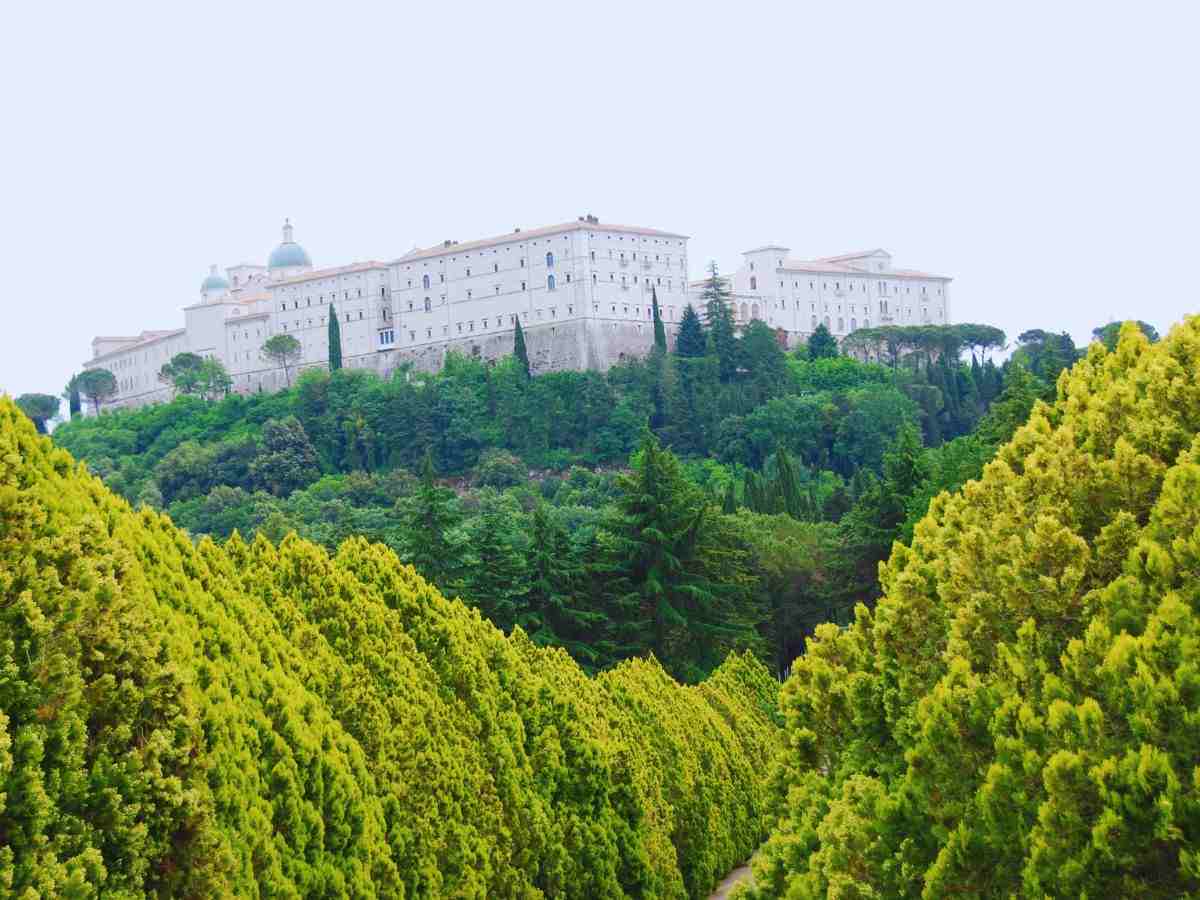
289, 254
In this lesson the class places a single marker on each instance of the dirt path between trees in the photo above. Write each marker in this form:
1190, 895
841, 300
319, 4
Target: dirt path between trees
737, 876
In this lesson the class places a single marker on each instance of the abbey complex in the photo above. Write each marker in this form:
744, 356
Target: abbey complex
582, 290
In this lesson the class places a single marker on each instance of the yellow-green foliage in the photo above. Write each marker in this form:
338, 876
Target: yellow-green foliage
1020, 715
254, 720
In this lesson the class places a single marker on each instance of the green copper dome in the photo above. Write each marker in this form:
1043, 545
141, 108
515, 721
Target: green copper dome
214, 282
289, 254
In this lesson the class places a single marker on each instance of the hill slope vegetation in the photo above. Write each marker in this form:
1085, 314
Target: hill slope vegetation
1020, 714
262, 720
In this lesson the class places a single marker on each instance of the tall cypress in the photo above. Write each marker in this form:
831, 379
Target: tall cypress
335, 341
660, 332
519, 350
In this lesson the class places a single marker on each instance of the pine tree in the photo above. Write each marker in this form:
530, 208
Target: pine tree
660, 332
722, 340
690, 341
679, 582
519, 350
822, 344
556, 613
429, 515
494, 576
335, 340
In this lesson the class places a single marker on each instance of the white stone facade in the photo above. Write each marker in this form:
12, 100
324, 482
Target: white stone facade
845, 293
582, 290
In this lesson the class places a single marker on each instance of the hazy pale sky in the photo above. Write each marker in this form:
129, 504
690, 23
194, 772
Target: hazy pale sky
1042, 154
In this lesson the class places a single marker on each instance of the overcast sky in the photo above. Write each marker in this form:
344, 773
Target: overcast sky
1042, 154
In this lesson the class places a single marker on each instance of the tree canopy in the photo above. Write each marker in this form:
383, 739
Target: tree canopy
1018, 714
39, 408
258, 719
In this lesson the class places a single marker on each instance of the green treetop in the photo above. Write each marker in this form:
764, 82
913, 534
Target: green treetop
822, 344
519, 351
722, 339
284, 351
690, 342
660, 331
39, 408
335, 340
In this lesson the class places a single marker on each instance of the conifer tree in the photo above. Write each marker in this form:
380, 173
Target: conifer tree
722, 342
519, 350
494, 575
335, 340
822, 344
680, 584
660, 331
556, 613
430, 514
71, 392
690, 342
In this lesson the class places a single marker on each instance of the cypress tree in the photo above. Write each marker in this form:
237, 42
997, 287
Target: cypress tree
335, 341
429, 515
519, 350
690, 341
74, 403
660, 332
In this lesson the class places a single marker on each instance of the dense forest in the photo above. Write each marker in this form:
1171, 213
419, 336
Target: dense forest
721, 495
1010, 708
252, 720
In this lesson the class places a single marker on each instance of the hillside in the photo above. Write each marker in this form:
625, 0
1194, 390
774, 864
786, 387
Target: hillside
1020, 713
255, 720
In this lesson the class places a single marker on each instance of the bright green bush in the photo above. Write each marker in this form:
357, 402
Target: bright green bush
258, 720
1020, 714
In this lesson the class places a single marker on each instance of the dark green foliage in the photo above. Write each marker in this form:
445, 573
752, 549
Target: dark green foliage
39, 408
286, 461
822, 344
1109, 334
335, 340
182, 372
71, 392
660, 332
722, 342
680, 587
519, 351
690, 342
97, 385
430, 515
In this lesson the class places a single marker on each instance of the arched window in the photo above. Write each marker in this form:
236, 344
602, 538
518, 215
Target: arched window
549, 281
866, 323
753, 283
853, 324
549, 260
745, 312
425, 282
426, 304
827, 321
841, 324
814, 323
754, 311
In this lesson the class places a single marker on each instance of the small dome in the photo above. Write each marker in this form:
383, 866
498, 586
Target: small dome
215, 281
289, 254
